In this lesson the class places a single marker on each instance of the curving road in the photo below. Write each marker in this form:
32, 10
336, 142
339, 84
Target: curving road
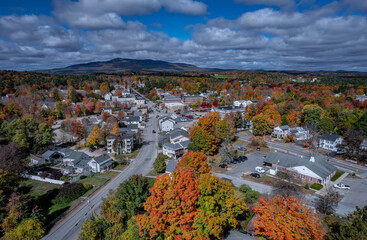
69, 227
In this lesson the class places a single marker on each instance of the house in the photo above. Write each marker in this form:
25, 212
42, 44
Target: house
101, 163
171, 166
139, 101
108, 97
364, 145
81, 165
174, 106
310, 170
178, 135
126, 145
67, 170
73, 157
134, 120
300, 133
241, 103
107, 110
227, 109
140, 115
361, 98
175, 150
166, 124
330, 141
37, 160
133, 128
281, 131
51, 155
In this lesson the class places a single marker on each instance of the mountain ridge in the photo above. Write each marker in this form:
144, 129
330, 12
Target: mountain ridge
117, 65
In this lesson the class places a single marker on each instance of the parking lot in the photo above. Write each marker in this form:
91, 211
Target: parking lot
357, 195
254, 159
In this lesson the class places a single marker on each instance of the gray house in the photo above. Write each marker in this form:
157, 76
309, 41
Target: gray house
101, 163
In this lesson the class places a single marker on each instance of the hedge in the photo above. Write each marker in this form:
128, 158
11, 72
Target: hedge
316, 186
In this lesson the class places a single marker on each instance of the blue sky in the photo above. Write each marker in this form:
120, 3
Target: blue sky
235, 34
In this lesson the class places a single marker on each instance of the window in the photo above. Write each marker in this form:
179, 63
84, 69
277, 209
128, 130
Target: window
303, 176
294, 174
311, 179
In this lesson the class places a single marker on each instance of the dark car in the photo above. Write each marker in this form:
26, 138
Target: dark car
242, 149
255, 175
234, 161
241, 158
223, 166
258, 149
92, 149
153, 131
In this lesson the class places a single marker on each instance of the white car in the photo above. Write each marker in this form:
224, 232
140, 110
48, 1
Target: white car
260, 169
342, 186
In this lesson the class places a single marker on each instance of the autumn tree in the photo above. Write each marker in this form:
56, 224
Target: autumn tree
219, 207
171, 207
262, 124
286, 218
196, 160
12, 158
311, 113
115, 128
30, 229
159, 164
327, 203
93, 229
94, 136
78, 129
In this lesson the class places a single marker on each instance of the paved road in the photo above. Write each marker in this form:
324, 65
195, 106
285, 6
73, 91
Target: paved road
70, 226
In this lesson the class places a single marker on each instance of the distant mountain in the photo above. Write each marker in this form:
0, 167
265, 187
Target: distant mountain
125, 65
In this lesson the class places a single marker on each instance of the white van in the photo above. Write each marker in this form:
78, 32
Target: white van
260, 169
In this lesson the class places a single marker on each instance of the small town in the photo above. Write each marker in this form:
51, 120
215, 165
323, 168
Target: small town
183, 120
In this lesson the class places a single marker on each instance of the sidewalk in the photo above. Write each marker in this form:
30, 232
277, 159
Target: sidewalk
322, 191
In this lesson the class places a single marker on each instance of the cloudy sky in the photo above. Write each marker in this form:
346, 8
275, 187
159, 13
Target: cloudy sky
229, 34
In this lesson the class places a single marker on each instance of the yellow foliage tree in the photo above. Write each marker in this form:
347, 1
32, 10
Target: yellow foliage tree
94, 136
115, 128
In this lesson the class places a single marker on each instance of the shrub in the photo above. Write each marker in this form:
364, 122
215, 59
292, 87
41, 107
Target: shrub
83, 177
159, 164
64, 178
306, 186
283, 175
56, 175
87, 186
69, 192
316, 186
251, 196
245, 188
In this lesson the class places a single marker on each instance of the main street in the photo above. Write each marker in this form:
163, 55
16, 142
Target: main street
69, 227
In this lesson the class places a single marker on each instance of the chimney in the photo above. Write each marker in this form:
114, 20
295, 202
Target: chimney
312, 159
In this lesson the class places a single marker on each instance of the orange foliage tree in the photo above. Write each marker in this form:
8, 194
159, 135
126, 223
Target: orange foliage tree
172, 207
286, 218
197, 160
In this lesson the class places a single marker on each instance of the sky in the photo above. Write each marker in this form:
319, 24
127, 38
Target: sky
229, 34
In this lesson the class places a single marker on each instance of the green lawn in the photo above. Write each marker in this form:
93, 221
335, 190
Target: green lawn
95, 180
35, 188
131, 155
337, 175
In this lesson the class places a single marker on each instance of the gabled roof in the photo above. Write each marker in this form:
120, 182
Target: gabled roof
66, 151
132, 126
48, 154
78, 155
320, 166
329, 137
134, 118
139, 114
185, 144
171, 166
284, 127
173, 147
83, 163
182, 119
178, 132
102, 158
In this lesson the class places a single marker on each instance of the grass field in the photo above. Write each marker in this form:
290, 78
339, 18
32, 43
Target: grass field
36, 188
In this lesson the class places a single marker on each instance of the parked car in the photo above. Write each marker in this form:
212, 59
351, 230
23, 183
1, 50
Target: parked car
234, 161
260, 169
255, 175
241, 158
153, 131
92, 149
258, 149
223, 166
242, 149
342, 186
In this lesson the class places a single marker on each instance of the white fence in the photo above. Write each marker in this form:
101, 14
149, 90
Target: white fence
49, 180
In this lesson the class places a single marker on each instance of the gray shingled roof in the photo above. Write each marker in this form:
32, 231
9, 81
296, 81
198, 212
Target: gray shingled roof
83, 163
178, 132
320, 167
284, 127
78, 155
171, 166
172, 146
47, 155
185, 144
329, 137
182, 119
66, 151
102, 158
235, 235
134, 118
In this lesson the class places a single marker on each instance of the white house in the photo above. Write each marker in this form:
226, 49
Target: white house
300, 133
166, 124
281, 131
175, 150
139, 101
242, 103
108, 110
330, 141
108, 97
101, 163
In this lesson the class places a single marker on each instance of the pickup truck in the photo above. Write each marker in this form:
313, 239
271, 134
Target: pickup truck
342, 186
